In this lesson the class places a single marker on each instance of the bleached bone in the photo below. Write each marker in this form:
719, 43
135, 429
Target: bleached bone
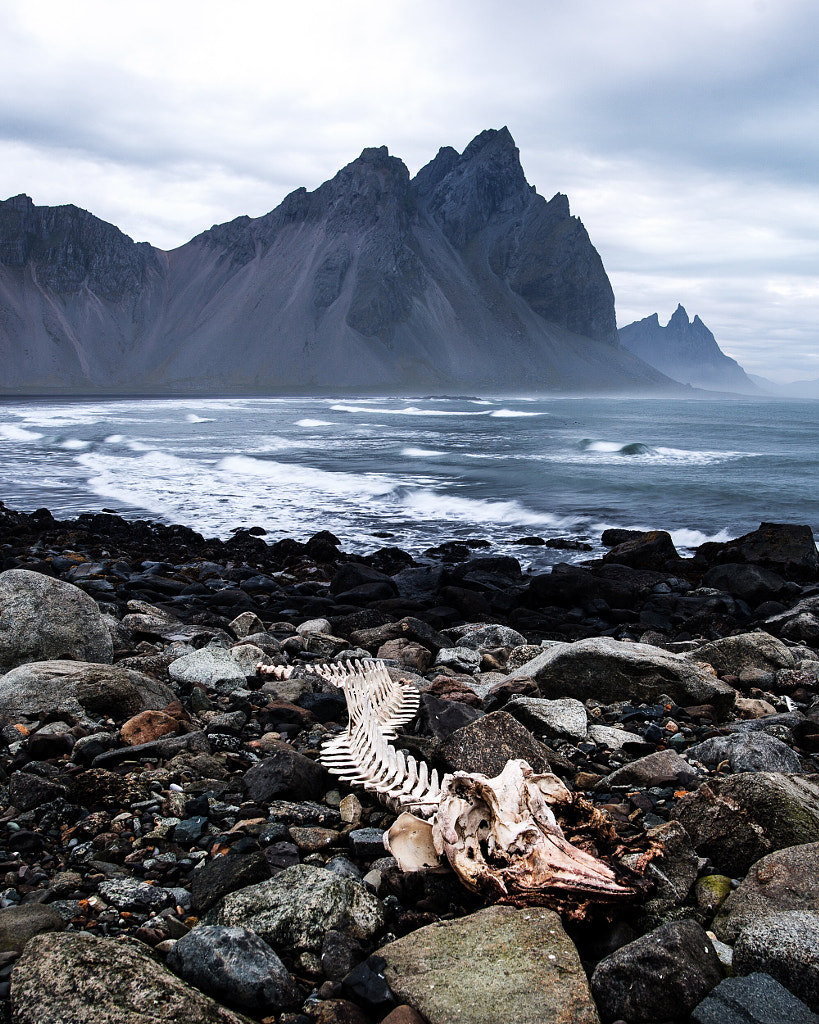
500, 835
277, 671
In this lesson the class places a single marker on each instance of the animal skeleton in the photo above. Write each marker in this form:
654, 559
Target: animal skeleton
499, 835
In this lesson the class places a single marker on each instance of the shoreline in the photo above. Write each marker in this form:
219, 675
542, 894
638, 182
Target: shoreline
157, 787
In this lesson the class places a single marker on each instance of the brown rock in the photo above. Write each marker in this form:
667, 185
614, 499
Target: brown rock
403, 1015
148, 726
407, 653
339, 1011
450, 688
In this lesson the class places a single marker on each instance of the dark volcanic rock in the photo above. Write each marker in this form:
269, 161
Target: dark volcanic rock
782, 547
487, 744
285, 772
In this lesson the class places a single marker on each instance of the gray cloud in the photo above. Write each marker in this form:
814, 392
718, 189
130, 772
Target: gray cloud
683, 132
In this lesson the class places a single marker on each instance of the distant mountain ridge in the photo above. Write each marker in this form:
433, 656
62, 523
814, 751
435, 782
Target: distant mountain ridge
686, 351
460, 276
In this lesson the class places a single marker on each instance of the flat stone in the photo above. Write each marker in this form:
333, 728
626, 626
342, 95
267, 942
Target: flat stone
498, 964
488, 743
223, 875
755, 999
148, 726
747, 752
745, 651
19, 924
662, 768
557, 719
88, 980
213, 667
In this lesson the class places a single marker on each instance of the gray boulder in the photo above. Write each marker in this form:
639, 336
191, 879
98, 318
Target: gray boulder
785, 946
756, 999
486, 744
19, 924
213, 667
752, 751
88, 980
784, 880
744, 817
500, 963
745, 652
299, 906
609, 670
660, 976
78, 688
42, 619
662, 768
460, 659
557, 719
481, 638
234, 966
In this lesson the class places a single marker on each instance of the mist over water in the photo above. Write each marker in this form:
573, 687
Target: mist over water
419, 472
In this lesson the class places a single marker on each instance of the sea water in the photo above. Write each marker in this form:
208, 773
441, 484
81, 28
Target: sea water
414, 473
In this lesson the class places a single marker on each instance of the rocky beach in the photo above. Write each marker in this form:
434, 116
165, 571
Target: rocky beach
173, 849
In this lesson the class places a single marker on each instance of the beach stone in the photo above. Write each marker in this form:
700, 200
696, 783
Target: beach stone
234, 966
609, 670
747, 752
662, 768
148, 726
740, 819
406, 652
213, 667
649, 550
223, 875
481, 637
711, 891
403, 1015
461, 659
739, 654
314, 626
783, 547
786, 946
660, 976
500, 963
672, 874
297, 908
79, 688
88, 980
19, 924
132, 894
750, 583
284, 772
611, 738
486, 744
247, 624
27, 791
557, 719
46, 619
784, 880
443, 717
755, 999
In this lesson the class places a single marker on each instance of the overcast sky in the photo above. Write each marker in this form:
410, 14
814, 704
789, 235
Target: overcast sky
684, 132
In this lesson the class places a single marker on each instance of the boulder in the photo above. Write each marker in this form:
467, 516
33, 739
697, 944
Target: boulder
498, 964
557, 719
609, 670
755, 999
740, 819
750, 583
88, 980
45, 619
486, 744
212, 667
651, 550
747, 752
19, 924
80, 688
662, 768
785, 946
658, 977
234, 966
782, 547
482, 637
284, 772
784, 880
298, 907
746, 651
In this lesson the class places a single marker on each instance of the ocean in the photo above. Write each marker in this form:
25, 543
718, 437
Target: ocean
415, 473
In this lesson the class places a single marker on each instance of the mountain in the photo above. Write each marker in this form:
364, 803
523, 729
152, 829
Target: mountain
686, 351
793, 389
461, 276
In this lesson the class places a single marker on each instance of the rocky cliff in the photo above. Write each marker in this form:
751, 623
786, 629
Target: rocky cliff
686, 351
462, 276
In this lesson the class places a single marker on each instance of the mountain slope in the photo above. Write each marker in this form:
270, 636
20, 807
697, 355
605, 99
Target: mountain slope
685, 351
462, 276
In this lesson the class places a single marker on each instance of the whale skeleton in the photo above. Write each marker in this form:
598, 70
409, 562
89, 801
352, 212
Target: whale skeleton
501, 835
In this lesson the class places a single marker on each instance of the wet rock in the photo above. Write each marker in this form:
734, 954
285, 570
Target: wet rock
247, 624
755, 999
224, 875
662, 768
19, 924
487, 744
711, 891
782, 547
367, 985
406, 653
671, 875
785, 880
625, 983
75, 687
367, 843
785, 946
285, 772
744, 652
46, 619
740, 819
608, 670
299, 906
747, 752
653, 549
132, 894
87, 980
751, 583
516, 963
27, 791
561, 719
234, 966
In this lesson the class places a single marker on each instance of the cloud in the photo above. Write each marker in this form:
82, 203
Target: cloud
683, 131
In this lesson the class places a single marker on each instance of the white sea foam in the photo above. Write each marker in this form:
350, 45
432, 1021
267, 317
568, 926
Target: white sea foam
510, 414
11, 432
74, 444
313, 423
693, 538
434, 505
410, 410
193, 418
420, 453
115, 439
